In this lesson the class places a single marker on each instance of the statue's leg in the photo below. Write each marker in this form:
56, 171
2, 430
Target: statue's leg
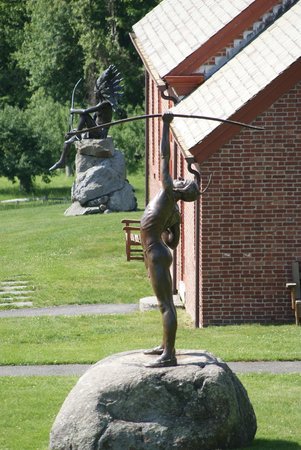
62, 161
85, 121
159, 260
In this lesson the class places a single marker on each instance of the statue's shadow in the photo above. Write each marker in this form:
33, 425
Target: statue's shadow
205, 359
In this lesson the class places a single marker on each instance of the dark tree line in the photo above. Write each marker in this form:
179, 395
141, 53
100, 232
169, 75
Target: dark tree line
45, 48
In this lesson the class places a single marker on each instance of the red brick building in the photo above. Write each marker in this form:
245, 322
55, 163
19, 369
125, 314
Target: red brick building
241, 63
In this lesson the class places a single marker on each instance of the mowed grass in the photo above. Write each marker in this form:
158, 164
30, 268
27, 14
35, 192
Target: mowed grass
69, 260
86, 339
30, 405
28, 409
81, 260
58, 188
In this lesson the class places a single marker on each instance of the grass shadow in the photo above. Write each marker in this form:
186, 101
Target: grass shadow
273, 444
58, 190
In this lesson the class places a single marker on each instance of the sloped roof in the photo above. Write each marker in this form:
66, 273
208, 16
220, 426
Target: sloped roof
174, 29
238, 82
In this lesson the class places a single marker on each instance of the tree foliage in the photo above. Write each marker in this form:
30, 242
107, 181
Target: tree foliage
103, 29
49, 121
13, 83
130, 138
45, 48
50, 51
21, 155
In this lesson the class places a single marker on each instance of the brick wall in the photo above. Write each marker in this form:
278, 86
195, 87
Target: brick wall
251, 220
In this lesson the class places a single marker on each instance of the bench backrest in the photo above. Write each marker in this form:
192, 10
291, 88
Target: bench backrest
296, 277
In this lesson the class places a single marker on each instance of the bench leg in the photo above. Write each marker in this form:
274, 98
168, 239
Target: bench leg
298, 311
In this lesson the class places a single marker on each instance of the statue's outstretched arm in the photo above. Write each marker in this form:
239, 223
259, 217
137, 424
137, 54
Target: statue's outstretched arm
165, 152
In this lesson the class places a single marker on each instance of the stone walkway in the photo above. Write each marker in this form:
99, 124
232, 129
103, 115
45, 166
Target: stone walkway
71, 310
274, 367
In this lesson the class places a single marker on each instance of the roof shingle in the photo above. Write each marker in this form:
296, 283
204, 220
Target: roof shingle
241, 79
174, 29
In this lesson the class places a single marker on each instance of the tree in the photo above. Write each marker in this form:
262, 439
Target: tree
13, 83
103, 29
45, 48
21, 155
48, 120
130, 138
50, 50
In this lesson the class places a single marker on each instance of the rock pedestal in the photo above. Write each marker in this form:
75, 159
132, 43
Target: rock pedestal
119, 404
100, 184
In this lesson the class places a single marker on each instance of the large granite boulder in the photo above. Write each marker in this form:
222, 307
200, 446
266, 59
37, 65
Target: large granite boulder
119, 404
100, 181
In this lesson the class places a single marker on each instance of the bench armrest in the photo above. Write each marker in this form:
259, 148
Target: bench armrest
129, 221
292, 287
128, 228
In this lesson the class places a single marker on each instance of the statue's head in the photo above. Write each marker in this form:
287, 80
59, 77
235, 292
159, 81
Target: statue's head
186, 190
98, 93
108, 86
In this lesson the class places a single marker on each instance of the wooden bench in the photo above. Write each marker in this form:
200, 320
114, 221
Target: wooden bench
133, 247
295, 290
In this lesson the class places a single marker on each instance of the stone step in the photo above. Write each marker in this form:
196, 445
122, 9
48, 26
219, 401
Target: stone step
14, 283
17, 304
15, 291
12, 299
149, 303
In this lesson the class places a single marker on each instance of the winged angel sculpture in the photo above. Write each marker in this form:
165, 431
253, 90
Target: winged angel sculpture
107, 92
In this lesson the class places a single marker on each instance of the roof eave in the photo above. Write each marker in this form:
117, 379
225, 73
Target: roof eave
147, 62
222, 38
247, 114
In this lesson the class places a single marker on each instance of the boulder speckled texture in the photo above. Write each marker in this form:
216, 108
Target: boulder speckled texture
119, 404
100, 179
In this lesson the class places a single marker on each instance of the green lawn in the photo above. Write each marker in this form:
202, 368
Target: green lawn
58, 188
86, 339
30, 405
276, 401
28, 408
69, 260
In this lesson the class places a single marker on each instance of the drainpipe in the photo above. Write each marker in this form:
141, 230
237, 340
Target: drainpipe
175, 255
146, 138
197, 264
197, 175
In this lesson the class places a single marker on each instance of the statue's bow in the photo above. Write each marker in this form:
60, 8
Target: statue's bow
152, 116
72, 104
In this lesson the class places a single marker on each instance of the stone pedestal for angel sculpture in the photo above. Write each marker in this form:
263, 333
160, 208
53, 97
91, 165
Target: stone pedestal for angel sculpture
100, 184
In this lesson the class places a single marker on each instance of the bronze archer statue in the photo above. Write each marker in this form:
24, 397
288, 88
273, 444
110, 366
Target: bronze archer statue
107, 92
160, 229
